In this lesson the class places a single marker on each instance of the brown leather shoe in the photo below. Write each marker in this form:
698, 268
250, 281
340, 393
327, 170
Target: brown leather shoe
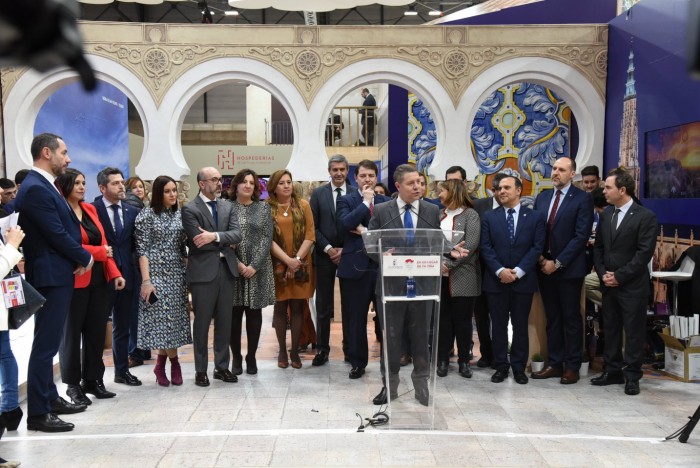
570, 377
547, 373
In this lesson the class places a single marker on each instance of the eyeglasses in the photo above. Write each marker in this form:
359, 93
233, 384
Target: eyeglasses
216, 180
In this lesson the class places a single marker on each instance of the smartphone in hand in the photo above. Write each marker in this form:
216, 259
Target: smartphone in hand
152, 299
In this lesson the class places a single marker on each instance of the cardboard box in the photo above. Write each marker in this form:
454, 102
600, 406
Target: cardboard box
682, 357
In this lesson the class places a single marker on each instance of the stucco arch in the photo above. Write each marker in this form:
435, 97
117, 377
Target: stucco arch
392, 71
180, 97
32, 89
575, 88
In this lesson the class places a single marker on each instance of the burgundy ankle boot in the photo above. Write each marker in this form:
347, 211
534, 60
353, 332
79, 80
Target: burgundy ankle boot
175, 371
159, 370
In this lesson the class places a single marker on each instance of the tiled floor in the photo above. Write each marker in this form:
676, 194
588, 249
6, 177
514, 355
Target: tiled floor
309, 417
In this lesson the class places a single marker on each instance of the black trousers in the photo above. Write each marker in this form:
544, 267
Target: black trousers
505, 305
325, 288
358, 292
624, 310
86, 321
483, 327
562, 306
455, 322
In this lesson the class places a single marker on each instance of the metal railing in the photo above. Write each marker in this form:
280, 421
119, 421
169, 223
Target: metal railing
351, 126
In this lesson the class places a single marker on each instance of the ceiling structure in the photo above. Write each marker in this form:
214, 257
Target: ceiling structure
191, 11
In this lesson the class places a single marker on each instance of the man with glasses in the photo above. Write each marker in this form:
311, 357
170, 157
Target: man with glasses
212, 227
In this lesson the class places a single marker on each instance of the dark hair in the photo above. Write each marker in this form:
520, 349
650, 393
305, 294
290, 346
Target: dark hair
66, 181
599, 200
453, 169
367, 164
44, 140
518, 182
590, 170
403, 169
103, 175
497, 180
21, 174
458, 195
623, 179
386, 190
159, 191
240, 178
6, 183
365, 90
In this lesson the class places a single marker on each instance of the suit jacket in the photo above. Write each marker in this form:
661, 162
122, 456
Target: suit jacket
354, 262
99, 254
482, 205
570, 231
52, 246
325, 221
497, 251
627, 250
203, 262
465, 273
124, 246
368, 102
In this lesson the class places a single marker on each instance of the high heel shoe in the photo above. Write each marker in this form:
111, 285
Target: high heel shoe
159, 371
282, 360
296, 360
175, 371
251, 365
12, 418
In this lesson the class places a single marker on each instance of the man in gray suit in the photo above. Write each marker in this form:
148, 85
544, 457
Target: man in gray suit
406, 211
212, 228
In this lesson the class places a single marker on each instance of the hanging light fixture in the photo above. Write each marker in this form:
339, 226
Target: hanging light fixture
411, 11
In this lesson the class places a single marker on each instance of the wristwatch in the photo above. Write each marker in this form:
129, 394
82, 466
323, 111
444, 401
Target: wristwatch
558, 264
298, 258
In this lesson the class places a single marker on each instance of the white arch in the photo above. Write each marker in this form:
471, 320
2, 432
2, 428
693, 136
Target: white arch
203, 77
392, 71
571, 85
33, 88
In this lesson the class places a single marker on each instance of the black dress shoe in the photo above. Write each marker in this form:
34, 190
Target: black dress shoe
422, 395
97, 388
225, 375
442, 368
464, 370
127, 378
48, 422
381, 398
520, 377
405, 359
632, 387
320, 359
500, 375
201, 379
483, 363
61, 406
356, 372
11, 419
76, 395
608, 378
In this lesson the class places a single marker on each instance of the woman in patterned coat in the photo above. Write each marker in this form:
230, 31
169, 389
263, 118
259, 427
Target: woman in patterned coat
461, 280
164, 324
255, 285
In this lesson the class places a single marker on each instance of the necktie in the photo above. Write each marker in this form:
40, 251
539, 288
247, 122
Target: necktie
511, 225
339, 193
214, 213
371, 208
118, 227
408, 224
550, 220
58, 187
614, 219
338, 224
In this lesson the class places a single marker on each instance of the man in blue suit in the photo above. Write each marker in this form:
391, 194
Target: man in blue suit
328, 249
357, 272
512, 238
118, 220
569, 214
53, 253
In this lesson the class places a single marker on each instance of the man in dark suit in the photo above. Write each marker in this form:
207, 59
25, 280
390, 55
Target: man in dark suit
481, 307
569, 214
367, 117
624, 244
512, 238
53, 253
407, 211
357, 272
328, 249
118, 221
212, 228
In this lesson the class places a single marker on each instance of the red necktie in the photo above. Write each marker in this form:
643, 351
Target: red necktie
552, 215
58, 186
371, 208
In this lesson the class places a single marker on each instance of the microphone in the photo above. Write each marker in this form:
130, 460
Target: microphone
405, 208
410, 208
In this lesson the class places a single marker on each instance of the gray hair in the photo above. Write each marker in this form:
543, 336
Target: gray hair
338, 158
402, 170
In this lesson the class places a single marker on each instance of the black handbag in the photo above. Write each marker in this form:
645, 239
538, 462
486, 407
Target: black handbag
33, 301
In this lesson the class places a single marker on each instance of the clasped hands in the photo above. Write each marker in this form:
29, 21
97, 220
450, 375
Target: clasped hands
609, 280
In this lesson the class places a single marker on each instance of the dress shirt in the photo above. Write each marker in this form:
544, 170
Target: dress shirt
343, 191
110, 212
48, 176
623, 211
564, 191
414, 210
206, 203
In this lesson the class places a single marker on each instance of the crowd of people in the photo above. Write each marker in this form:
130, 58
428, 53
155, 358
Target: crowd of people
136, 257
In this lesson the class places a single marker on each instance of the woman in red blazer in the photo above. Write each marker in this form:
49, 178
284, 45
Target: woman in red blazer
89, 309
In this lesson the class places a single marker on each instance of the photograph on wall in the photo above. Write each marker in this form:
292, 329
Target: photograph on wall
673, 162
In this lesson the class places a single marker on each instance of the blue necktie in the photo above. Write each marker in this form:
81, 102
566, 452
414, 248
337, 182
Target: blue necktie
214, 213
118, 226
408, 224
511, 225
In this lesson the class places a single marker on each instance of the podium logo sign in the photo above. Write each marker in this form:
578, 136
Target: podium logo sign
411, 265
